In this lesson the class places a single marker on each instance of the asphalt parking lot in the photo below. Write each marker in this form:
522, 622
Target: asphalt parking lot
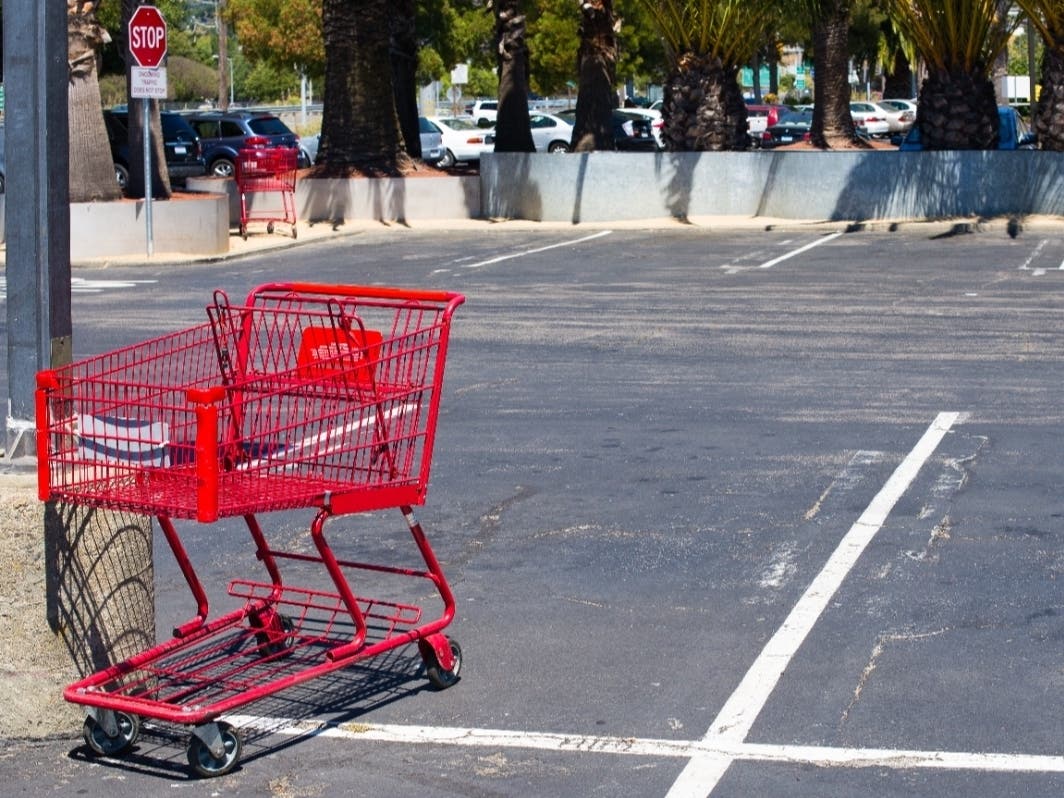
766, 512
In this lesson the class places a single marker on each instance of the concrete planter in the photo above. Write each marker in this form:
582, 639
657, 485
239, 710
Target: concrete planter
382, 199
195, 225
857, 186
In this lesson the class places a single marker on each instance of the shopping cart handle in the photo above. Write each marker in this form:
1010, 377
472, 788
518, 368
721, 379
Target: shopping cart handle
205, 396
357, 291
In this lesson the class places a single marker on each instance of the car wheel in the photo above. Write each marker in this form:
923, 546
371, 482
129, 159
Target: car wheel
558, 146
223, 167
447, 161
122, 176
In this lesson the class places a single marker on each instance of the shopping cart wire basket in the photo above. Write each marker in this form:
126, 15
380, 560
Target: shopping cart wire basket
306, 396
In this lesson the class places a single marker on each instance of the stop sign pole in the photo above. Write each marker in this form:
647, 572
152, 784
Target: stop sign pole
147, 47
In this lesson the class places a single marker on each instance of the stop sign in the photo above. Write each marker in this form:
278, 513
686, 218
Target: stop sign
147, 36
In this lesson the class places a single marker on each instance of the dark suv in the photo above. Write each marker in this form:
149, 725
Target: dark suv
223, 134
182, 147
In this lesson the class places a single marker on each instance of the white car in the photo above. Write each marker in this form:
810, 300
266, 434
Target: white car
901, 114
550, 133
484, 112
463, 140
870, 117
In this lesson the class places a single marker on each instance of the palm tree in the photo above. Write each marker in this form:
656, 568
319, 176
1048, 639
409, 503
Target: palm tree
959, 41
92, 173
1048, 17
404, 73
513, 130
597, 62
360, 127
707, 43
832, 125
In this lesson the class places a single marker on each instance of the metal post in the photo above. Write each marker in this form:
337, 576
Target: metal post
38, 223
149, 183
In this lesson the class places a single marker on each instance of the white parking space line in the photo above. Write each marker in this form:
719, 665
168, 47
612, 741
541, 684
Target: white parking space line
821, 756
535, 251
787, 255
736, 718
79, 285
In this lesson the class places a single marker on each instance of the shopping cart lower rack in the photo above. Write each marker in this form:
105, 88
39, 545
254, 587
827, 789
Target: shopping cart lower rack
306, 396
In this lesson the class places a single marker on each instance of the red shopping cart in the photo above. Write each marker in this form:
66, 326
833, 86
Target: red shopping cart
306, 396
270, 173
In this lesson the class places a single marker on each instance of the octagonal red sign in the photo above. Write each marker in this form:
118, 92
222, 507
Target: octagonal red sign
147, 36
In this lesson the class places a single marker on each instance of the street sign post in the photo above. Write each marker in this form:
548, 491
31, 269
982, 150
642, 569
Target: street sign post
147, 80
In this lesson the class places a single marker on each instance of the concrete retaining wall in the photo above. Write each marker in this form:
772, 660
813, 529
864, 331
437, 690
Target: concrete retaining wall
859, 186
381, 199
192, 225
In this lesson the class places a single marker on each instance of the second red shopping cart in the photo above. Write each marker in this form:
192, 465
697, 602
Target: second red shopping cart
266, 182
305, 396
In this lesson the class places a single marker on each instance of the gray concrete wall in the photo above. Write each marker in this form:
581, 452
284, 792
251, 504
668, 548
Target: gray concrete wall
191, 225
860, 186
381, 199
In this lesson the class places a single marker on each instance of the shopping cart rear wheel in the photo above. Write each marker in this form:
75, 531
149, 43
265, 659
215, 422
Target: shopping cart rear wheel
97, 738
439, 677
206, 764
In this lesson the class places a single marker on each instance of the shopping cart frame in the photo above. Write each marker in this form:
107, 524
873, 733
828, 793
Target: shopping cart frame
268, 172
284, 635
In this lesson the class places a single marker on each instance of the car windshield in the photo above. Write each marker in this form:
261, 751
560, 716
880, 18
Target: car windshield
459, 124
269, 126
796, 117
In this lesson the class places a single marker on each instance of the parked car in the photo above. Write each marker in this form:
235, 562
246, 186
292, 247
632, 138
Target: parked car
631, 131
792, 126
224, 133
431, 141
1013, 133
484, 112
183, 155
869, 118
657, 124
900, 114
760, 117
308, 149
551, 133
463, 141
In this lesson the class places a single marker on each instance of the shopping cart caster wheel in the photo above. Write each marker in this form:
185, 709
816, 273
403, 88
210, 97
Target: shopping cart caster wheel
97, 738
443, 678
269, 228
278, 637
206, 764
295, 233
244, 231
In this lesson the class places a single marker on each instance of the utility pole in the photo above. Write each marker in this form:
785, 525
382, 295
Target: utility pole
224, 88
38, 224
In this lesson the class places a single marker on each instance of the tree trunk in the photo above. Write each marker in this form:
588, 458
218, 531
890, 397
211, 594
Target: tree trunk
513, 131
92, 172
597, 64
703, 107
832, 124
404, 74
1049, 122
360, 127
957, 111
899, 83
160, 177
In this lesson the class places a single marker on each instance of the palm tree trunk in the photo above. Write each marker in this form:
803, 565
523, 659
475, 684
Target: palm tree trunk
703, 107
404, 74
957, 110
832, 123
92, 173
597, 60
513, 131
1049, 122
360, 127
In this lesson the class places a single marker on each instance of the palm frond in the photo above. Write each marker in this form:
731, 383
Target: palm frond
955, 34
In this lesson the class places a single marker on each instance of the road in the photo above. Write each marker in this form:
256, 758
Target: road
731, 514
